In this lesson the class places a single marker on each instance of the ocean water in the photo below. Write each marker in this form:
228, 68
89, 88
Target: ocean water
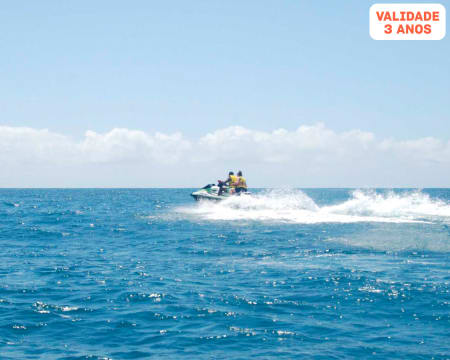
149, 273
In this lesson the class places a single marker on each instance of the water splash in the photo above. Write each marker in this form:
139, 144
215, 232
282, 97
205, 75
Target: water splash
407, 206
295, 206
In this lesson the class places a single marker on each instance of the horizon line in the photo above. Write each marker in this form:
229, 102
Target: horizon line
195, 187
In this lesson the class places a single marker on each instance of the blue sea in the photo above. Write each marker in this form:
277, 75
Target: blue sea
281, 274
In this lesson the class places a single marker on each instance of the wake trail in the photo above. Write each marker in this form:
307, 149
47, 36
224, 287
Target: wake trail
294, 206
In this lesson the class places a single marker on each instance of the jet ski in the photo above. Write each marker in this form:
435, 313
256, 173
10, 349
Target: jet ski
211, 192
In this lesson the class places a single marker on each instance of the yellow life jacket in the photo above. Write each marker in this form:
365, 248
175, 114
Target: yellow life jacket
242, 183
233, 181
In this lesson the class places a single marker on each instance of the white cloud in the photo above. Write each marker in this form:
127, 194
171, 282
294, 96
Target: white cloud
309, 156
22, 144
427, 149
132, 145
281, 145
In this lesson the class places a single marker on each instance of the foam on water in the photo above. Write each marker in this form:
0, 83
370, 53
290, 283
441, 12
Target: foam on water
296, 207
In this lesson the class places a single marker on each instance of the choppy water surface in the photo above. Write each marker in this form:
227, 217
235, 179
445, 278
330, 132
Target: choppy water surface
284, 274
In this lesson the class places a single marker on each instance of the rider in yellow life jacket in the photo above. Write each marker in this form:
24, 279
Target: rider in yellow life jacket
241, 183
232, 182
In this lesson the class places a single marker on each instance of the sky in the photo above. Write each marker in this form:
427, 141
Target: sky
176, 93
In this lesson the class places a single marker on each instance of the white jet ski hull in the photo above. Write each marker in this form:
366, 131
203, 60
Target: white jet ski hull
206, 195
211, 192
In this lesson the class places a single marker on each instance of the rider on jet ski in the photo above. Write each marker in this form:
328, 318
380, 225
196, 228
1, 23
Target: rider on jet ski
237, 184
241, 185
232, 181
